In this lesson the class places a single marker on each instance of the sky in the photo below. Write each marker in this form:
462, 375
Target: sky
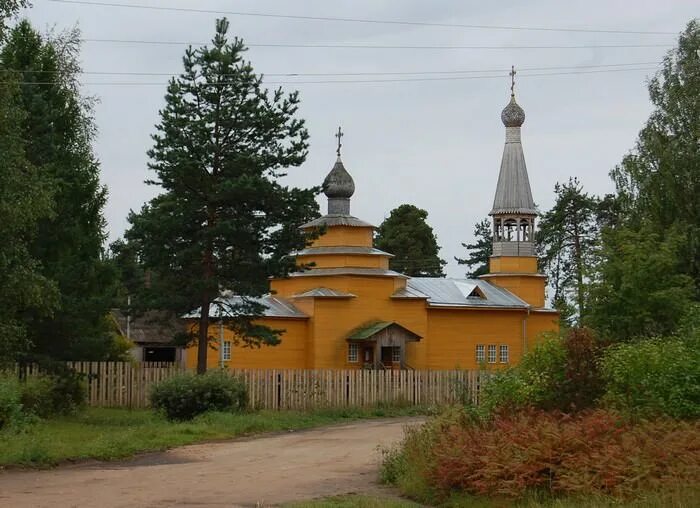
434, 143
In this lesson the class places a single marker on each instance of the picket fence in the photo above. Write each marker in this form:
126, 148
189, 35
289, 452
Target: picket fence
123, 384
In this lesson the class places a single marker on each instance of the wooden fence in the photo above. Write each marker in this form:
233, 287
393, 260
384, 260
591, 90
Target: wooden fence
123, 384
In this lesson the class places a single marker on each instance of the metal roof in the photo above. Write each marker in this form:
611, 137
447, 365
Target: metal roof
322, 292
336, 220
274, 307
319, 251
451, 293
369, 330
409, 293
513, 193
369, 272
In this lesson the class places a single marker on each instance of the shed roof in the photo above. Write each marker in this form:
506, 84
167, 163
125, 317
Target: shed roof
369, 330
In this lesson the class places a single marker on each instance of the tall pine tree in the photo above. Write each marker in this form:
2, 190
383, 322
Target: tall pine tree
566, 239
223, 221
59, 130
480, 251
407, 235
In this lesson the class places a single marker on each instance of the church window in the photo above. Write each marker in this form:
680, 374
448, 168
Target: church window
226, 352
396, 355
503, 353
480, 353
353, 353
492, 353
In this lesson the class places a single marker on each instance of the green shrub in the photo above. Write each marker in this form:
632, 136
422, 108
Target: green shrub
11, 415
36, 396
654, 376
557, 374
185, 396
48, 395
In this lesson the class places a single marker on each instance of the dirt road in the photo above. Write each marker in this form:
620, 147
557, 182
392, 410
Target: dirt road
266, 470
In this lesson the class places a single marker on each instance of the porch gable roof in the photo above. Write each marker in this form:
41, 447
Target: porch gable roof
369, 330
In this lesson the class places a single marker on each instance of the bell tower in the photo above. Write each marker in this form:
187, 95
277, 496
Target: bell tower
513, 264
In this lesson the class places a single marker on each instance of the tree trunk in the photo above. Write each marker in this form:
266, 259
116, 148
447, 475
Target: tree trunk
203, 341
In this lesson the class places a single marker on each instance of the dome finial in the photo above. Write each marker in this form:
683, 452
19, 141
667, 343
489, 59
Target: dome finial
339, 185
339, 135
512, 115
512, 80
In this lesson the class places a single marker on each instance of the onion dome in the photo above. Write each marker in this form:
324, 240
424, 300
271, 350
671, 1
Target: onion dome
338, 184
513, 115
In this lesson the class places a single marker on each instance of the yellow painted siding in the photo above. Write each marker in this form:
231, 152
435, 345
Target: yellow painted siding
513, 264
528, 287
453, 335
345, 236
345, 260
289, 354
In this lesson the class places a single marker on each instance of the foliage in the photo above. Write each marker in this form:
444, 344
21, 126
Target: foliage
353, 501
407, 235
12, 416
659, 182
557, 374
566, 239
58, 130
25, 199
185, 396
223, 221
9, 9
654, 377
480, 251
110, 434
592, 453
640, 291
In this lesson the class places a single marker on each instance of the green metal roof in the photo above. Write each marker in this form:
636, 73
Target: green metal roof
369, 330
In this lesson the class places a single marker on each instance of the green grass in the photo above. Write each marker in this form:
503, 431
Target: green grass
110, 434
354, 501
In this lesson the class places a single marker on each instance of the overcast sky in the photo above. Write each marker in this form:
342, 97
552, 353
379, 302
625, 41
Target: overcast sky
434, 143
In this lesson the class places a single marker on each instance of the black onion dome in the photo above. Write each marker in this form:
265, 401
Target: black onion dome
338, 183
513, 115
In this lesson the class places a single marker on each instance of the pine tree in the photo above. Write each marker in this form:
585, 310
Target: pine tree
480, 251
59, 130
407, 235
223, 221
567, 239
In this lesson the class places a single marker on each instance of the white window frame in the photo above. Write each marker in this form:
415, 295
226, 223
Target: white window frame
396, 355
226, 353
492, 353
353, 353
503, 353
480, 353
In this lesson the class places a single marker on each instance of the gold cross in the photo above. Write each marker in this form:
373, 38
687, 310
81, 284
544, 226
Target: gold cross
512, 80
339, 135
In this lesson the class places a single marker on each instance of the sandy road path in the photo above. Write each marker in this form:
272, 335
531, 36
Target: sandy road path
267, 470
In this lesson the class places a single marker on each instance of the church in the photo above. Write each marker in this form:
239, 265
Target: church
350, 311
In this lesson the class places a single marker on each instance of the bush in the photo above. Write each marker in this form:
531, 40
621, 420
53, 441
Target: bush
557, 374
591, 453
11, 415
47, 395
654, 376
185, 396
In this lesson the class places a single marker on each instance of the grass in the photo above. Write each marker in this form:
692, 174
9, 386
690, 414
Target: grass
111, 434
354, 501
674, 499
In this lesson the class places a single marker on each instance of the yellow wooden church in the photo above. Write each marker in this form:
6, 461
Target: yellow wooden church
349, 310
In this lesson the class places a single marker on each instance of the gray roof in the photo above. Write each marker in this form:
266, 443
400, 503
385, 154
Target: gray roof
319, 251
513, 193
274, 307
409, 293
152, 327
322, 292
336, 220
455, 293
369, 272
